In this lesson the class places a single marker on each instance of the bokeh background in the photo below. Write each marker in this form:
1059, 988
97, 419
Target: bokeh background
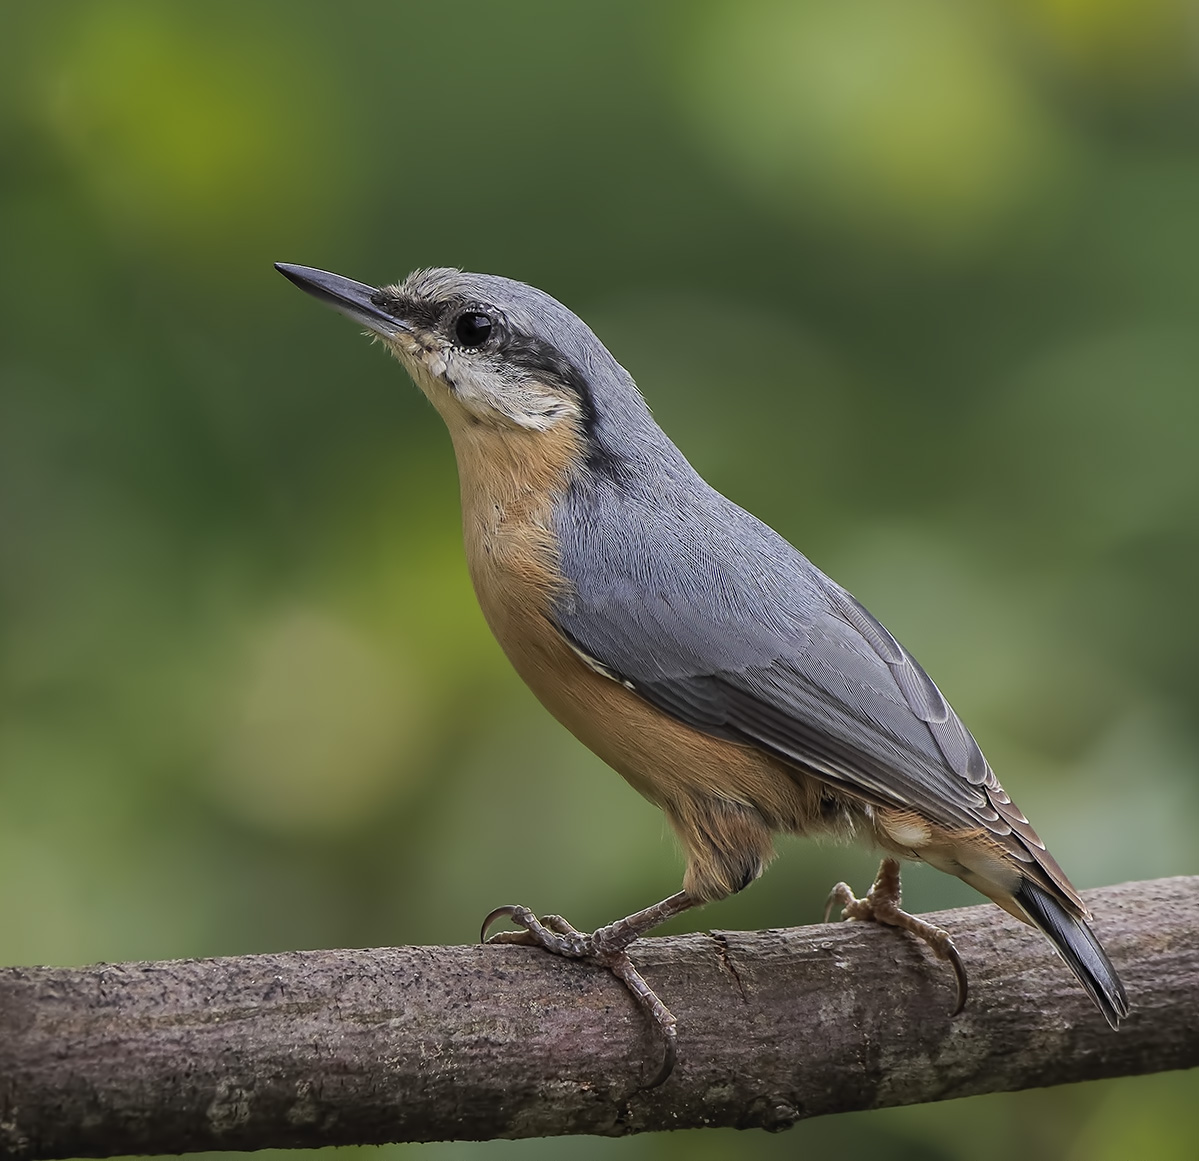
914, 280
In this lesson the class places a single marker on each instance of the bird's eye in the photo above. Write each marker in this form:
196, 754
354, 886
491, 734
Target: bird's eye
472, 328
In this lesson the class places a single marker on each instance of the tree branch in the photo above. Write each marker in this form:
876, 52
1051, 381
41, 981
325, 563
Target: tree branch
429, 1043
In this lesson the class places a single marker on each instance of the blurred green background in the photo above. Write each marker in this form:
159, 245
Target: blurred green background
914, 280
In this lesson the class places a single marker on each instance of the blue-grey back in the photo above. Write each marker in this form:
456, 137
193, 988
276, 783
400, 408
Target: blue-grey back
714, 617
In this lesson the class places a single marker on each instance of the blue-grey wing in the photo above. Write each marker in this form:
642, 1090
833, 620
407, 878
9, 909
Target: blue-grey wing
711, 616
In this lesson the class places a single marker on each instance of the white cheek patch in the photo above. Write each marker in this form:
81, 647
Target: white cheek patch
489, 393
538, 409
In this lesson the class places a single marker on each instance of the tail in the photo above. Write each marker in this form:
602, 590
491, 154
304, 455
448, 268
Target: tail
1077, 945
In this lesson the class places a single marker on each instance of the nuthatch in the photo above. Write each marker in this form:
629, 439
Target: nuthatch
689, 645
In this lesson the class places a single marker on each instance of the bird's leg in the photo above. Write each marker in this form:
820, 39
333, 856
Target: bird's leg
607, 946
881, 905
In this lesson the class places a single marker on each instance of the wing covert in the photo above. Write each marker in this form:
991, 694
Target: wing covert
744, 638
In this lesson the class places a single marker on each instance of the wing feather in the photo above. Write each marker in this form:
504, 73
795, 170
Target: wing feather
714, 618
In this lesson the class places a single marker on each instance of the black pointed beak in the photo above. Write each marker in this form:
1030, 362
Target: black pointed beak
355, 300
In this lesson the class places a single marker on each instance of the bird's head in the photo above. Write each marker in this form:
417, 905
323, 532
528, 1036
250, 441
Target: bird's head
484, 349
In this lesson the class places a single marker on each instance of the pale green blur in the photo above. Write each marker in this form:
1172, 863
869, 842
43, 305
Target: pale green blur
914, 280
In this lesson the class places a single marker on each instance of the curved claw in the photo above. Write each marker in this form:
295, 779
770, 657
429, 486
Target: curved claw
959, 970
606, 948
881, 905
509, 911
839, 894
669, 1058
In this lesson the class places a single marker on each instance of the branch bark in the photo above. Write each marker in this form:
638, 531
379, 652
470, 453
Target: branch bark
430, 1043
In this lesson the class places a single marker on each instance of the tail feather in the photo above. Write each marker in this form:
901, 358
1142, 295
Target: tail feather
1077, 945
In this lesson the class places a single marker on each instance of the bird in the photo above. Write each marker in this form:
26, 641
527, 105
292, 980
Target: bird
688, 644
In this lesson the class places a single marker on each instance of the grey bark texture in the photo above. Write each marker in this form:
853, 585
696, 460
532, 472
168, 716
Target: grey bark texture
430, 1043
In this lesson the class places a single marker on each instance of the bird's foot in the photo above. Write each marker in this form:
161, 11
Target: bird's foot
607, 946
881, 905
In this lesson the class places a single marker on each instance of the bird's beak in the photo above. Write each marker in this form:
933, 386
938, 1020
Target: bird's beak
355, 300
